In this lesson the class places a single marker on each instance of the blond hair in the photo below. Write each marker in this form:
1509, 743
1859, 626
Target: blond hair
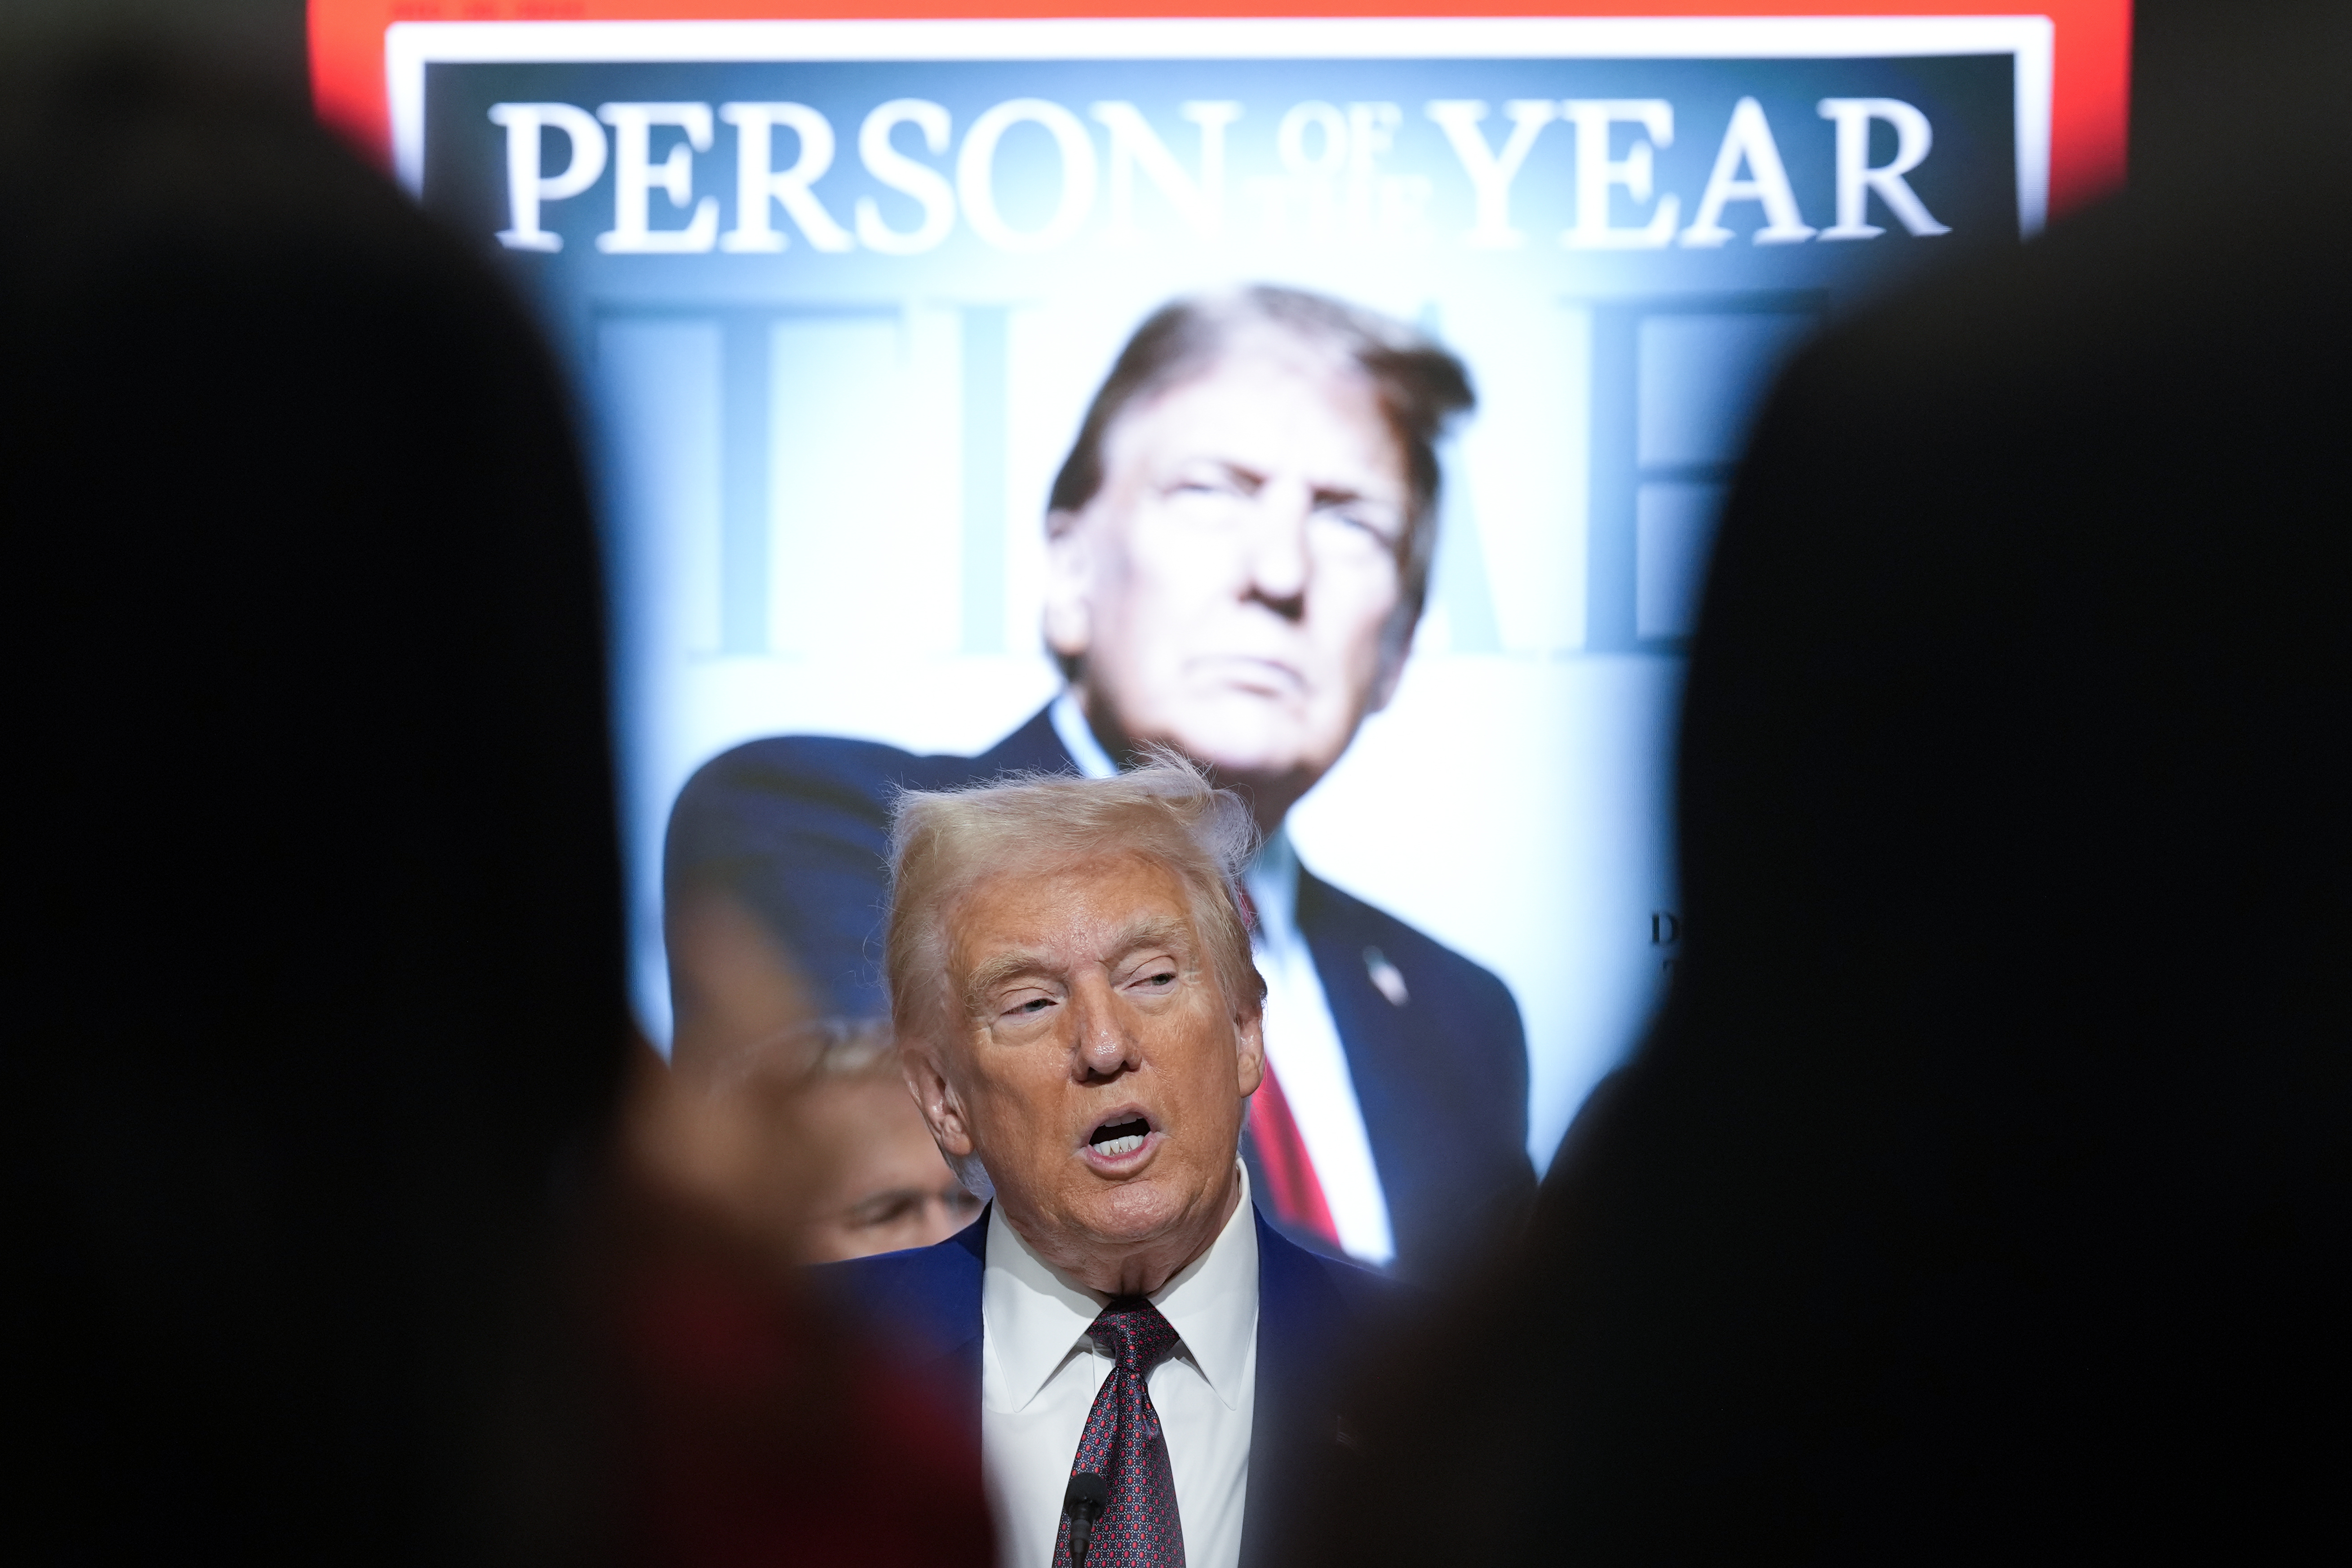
945, 842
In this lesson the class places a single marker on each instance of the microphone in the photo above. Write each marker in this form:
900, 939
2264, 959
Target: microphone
1088, 1495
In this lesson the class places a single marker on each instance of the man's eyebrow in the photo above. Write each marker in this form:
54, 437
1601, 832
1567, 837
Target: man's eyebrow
1158, 931
1250, 477
1325, 497
1152, 931
1331, 495
1005, 966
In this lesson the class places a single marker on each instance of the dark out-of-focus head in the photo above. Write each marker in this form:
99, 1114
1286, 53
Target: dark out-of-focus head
1985, 1177
315, 989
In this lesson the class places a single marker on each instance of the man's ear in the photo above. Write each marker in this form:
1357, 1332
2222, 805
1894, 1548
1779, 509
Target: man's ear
1250, 1029
1396, 647
1069, 584
937, 1100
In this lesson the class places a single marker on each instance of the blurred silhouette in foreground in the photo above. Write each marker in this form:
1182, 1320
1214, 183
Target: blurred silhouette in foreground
1985, 1187
318, 1242
756, 1432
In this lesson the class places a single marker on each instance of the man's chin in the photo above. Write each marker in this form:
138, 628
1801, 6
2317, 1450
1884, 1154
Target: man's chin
1132, 1214
1245, 746
1135, 1211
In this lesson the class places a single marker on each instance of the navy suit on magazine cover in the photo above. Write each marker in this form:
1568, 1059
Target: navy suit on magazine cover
797, 829
1313, 1312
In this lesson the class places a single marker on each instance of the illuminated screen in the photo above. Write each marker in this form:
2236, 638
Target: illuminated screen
838, 295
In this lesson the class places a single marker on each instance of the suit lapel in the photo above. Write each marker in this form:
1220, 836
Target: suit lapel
1031, 749
1381, 1061
1299, 1314
960, 1367
935, 1305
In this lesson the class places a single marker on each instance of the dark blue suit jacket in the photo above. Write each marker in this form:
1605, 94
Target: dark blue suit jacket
797, 829
1313, 1313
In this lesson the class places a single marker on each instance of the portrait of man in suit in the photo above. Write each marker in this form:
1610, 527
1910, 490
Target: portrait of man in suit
1238, 550
1079, 1021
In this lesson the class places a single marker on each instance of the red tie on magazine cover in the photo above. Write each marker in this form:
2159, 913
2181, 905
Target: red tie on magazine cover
1292, 1189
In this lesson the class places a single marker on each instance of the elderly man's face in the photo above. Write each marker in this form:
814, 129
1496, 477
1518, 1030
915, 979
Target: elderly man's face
1233, 588
1100, 1071
884, 1185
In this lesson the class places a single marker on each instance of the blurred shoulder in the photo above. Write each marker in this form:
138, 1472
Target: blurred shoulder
931, 1293
1369, 1297
1332, 1295
810, 764
821, 770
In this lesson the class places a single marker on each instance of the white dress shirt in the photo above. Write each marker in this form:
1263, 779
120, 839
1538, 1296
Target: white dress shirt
1302, 1043
1040, 1372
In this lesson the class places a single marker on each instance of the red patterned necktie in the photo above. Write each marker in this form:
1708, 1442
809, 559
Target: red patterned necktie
1293, 1191
1123, 1444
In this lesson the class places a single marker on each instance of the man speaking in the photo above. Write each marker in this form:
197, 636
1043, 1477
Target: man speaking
1079, 1021
1238, 550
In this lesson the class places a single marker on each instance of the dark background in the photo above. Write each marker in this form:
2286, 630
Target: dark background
260, 38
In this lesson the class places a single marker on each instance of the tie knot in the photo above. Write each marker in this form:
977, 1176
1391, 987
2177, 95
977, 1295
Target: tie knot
1132, 1331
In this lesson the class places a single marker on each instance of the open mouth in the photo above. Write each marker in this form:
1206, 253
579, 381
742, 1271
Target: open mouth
1113, 1139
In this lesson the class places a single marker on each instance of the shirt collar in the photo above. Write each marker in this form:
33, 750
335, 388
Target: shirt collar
1031, 1317
1272, 883
1035, 1317
1077, 737
1211, 1303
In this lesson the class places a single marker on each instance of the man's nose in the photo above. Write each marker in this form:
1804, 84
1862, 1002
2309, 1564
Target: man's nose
1280, 562
1105, 1045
